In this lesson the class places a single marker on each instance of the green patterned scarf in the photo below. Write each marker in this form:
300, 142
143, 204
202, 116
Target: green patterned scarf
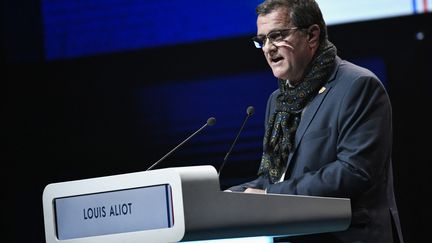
283, 123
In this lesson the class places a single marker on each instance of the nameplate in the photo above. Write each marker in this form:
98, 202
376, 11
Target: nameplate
114, 212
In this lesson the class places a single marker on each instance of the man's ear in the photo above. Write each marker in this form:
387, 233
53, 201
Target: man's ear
314, 35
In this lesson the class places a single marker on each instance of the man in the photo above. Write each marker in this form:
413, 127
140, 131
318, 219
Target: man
328, 126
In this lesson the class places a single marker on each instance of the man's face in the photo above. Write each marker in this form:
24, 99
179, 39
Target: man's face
289, 57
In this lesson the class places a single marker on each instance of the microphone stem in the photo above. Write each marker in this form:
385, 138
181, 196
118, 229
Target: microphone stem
232, 145
178, 146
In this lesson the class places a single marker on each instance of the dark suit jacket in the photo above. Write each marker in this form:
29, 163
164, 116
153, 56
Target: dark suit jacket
343, 149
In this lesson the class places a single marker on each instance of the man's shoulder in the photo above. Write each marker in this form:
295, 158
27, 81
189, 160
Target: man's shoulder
350, 75
352, 71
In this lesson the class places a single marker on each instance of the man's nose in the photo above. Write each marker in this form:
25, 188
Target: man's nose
268, 47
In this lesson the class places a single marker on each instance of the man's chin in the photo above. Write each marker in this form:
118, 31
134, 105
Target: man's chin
280, 76
280, 73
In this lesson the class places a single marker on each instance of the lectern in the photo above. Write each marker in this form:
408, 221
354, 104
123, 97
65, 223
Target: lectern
179, 204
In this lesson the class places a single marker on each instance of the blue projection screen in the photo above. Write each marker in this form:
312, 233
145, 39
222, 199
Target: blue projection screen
84, 28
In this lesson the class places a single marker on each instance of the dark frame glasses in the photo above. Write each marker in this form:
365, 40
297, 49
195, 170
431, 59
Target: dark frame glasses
273, 36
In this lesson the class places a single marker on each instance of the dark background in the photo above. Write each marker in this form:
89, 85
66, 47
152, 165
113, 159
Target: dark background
117, 113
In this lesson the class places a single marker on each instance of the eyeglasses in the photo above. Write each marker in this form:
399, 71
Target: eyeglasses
273, 36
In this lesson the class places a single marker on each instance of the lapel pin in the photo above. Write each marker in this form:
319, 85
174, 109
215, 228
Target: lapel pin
322, 90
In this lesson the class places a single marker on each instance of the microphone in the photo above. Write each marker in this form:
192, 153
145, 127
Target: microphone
249, 112
210, 122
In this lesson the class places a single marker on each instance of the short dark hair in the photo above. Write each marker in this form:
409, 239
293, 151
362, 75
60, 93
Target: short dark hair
302, 13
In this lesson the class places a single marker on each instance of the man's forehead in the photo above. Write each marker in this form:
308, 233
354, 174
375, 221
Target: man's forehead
276, 16
271, 21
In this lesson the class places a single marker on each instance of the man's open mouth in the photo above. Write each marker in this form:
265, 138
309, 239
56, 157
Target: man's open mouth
276, 59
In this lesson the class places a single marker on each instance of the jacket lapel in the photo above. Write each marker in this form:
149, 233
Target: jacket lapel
312, 109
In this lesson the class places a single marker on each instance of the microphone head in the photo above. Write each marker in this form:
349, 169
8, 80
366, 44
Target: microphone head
250, 110
211, 121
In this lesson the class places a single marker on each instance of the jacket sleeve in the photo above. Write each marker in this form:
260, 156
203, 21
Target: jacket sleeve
259, 183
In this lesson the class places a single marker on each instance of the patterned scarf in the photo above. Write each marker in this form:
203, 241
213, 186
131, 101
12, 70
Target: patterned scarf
283, 123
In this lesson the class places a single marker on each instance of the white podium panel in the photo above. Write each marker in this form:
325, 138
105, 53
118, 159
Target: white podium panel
179, 204
121, 208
